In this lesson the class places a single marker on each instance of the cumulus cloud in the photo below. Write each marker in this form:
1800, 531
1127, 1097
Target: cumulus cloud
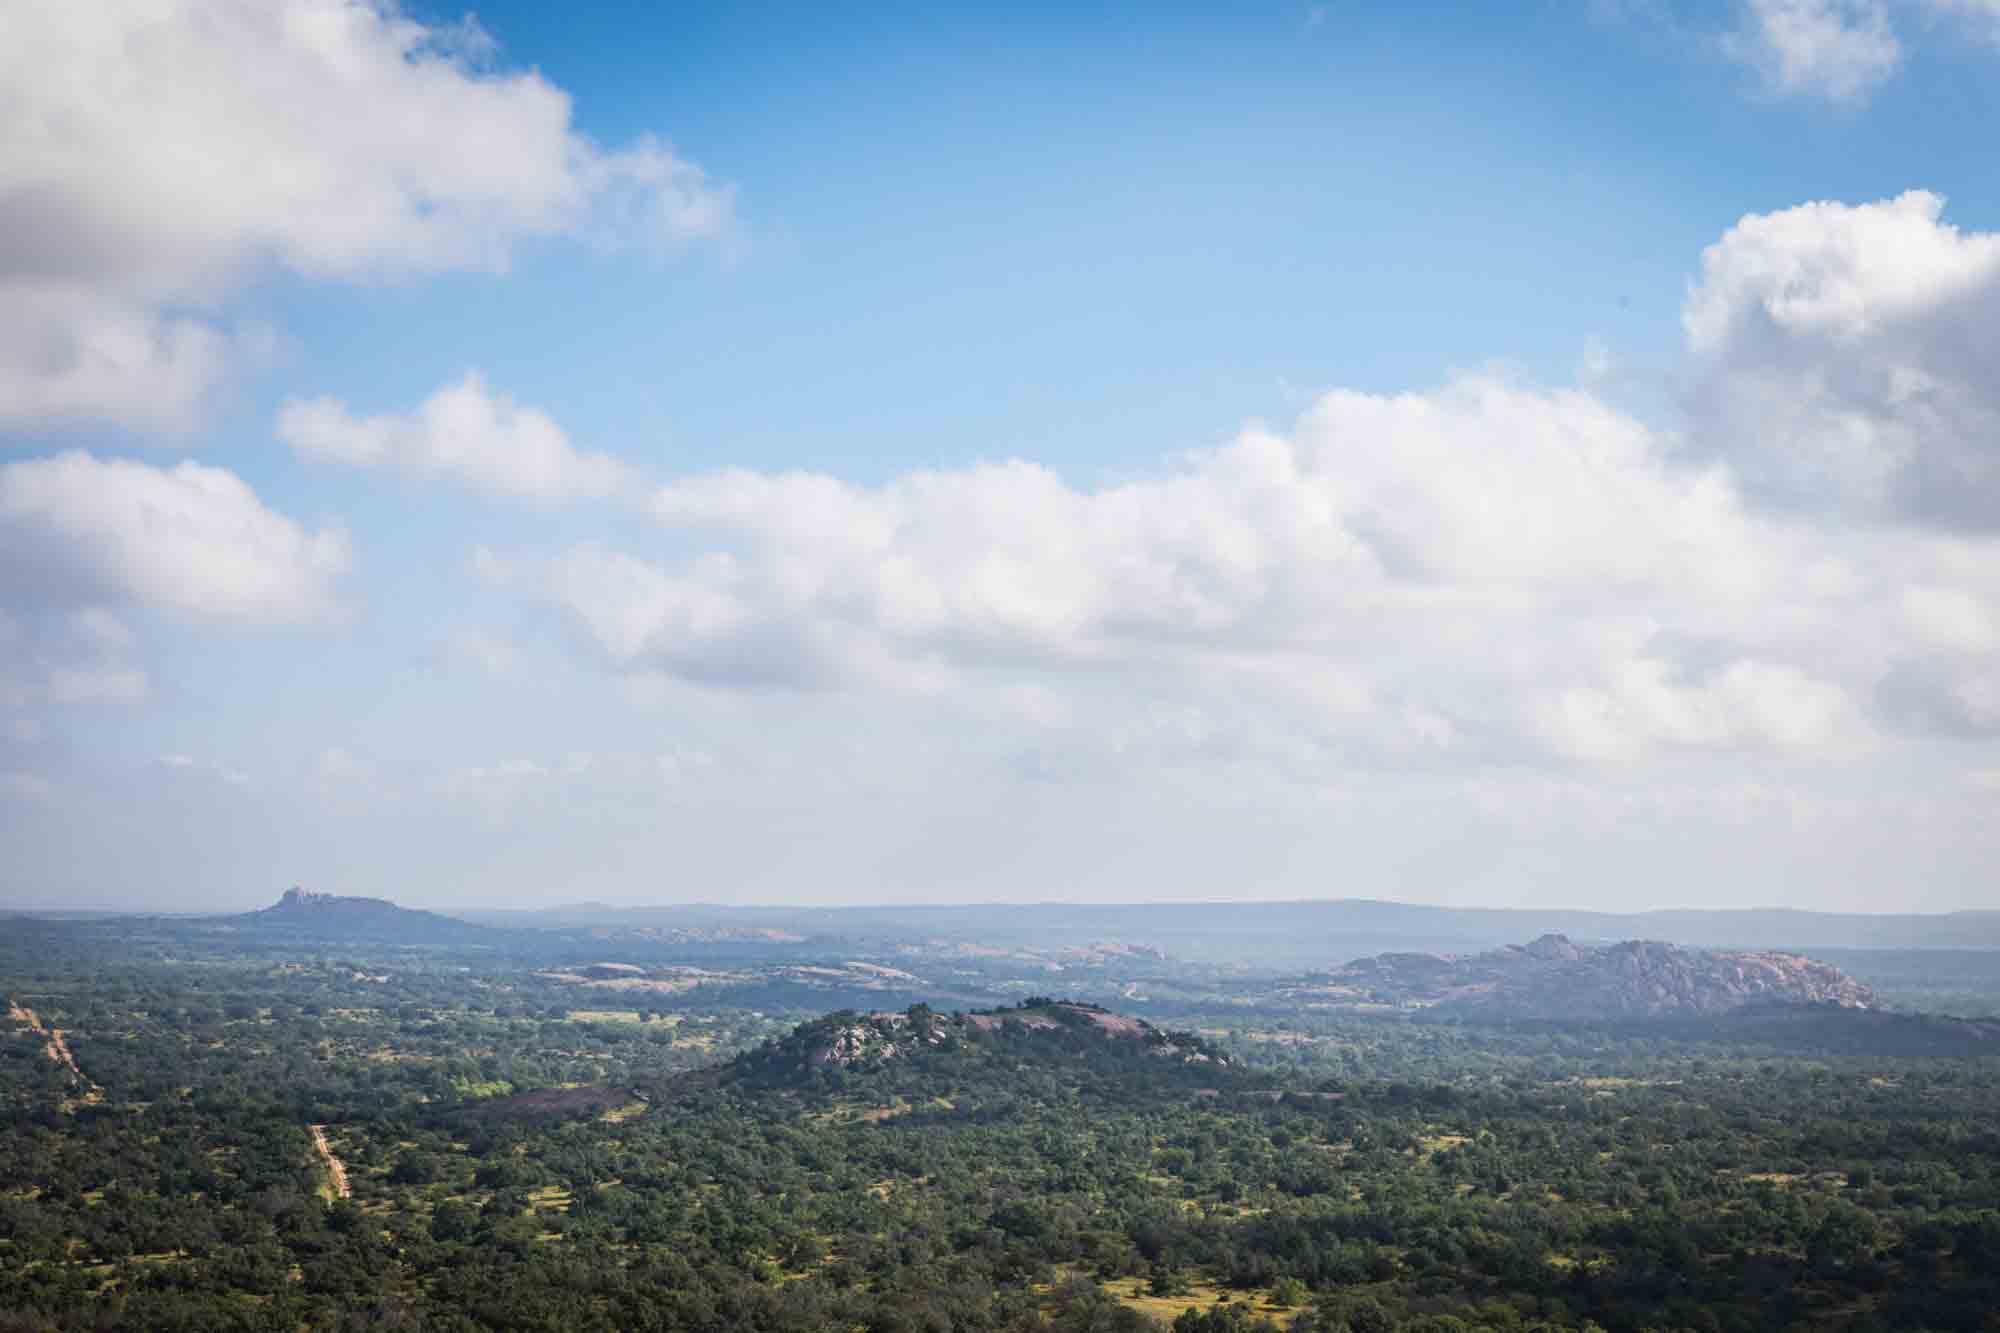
1485, 573
463, 433
1487, 568
76, 530
71, 354
160, 156
1836, 49
90, 547
1843, 359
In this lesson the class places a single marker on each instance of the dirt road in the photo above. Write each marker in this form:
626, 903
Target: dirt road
336, 1170
52, 1041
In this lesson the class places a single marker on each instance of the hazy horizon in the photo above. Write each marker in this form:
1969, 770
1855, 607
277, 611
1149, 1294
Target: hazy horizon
1537, 459
857, 906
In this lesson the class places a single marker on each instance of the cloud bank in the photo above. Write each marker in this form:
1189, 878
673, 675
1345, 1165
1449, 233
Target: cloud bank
1499, 573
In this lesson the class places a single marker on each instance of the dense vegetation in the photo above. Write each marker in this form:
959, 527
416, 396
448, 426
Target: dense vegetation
528, 1154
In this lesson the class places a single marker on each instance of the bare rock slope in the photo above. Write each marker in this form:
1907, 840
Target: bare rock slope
1060, 1030
1556, 978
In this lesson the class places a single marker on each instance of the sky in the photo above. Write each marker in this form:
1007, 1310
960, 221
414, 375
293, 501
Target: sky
1540, 455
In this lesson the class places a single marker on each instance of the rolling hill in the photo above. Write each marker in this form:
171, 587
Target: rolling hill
1556, 978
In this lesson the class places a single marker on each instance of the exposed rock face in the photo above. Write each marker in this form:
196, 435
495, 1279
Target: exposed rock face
1556, 978
1553, 948
861, 1041
303, 902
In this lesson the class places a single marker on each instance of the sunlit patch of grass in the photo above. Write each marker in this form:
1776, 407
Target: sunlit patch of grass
1797, 1179
486, 1088
1134, 1295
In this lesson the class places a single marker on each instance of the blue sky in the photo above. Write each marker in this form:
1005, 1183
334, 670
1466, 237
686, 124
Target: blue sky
767, 454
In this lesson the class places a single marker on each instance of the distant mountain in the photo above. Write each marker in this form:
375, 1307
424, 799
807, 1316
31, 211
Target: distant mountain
1039, 1031
1556, 978
335, 917
1293, 934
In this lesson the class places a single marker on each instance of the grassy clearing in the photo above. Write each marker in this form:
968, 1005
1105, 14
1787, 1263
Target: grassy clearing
1132, 1294
1798, 1180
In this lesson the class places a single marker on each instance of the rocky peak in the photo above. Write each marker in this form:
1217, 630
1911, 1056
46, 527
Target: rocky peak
334, 915
1553, 977
1553, 948
856, 1041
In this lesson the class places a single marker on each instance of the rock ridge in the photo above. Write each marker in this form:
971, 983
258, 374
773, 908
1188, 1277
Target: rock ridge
1554, 977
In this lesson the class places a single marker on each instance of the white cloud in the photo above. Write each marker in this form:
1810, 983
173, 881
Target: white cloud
1836, 49
89, 547
160, 156
1746, 705
68, 353
1483, 574
463, 433
1842, 361
1951, 619
1485, 569
76, 530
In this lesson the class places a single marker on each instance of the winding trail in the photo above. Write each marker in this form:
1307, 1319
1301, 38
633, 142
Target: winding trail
336, 1170
53, 1043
